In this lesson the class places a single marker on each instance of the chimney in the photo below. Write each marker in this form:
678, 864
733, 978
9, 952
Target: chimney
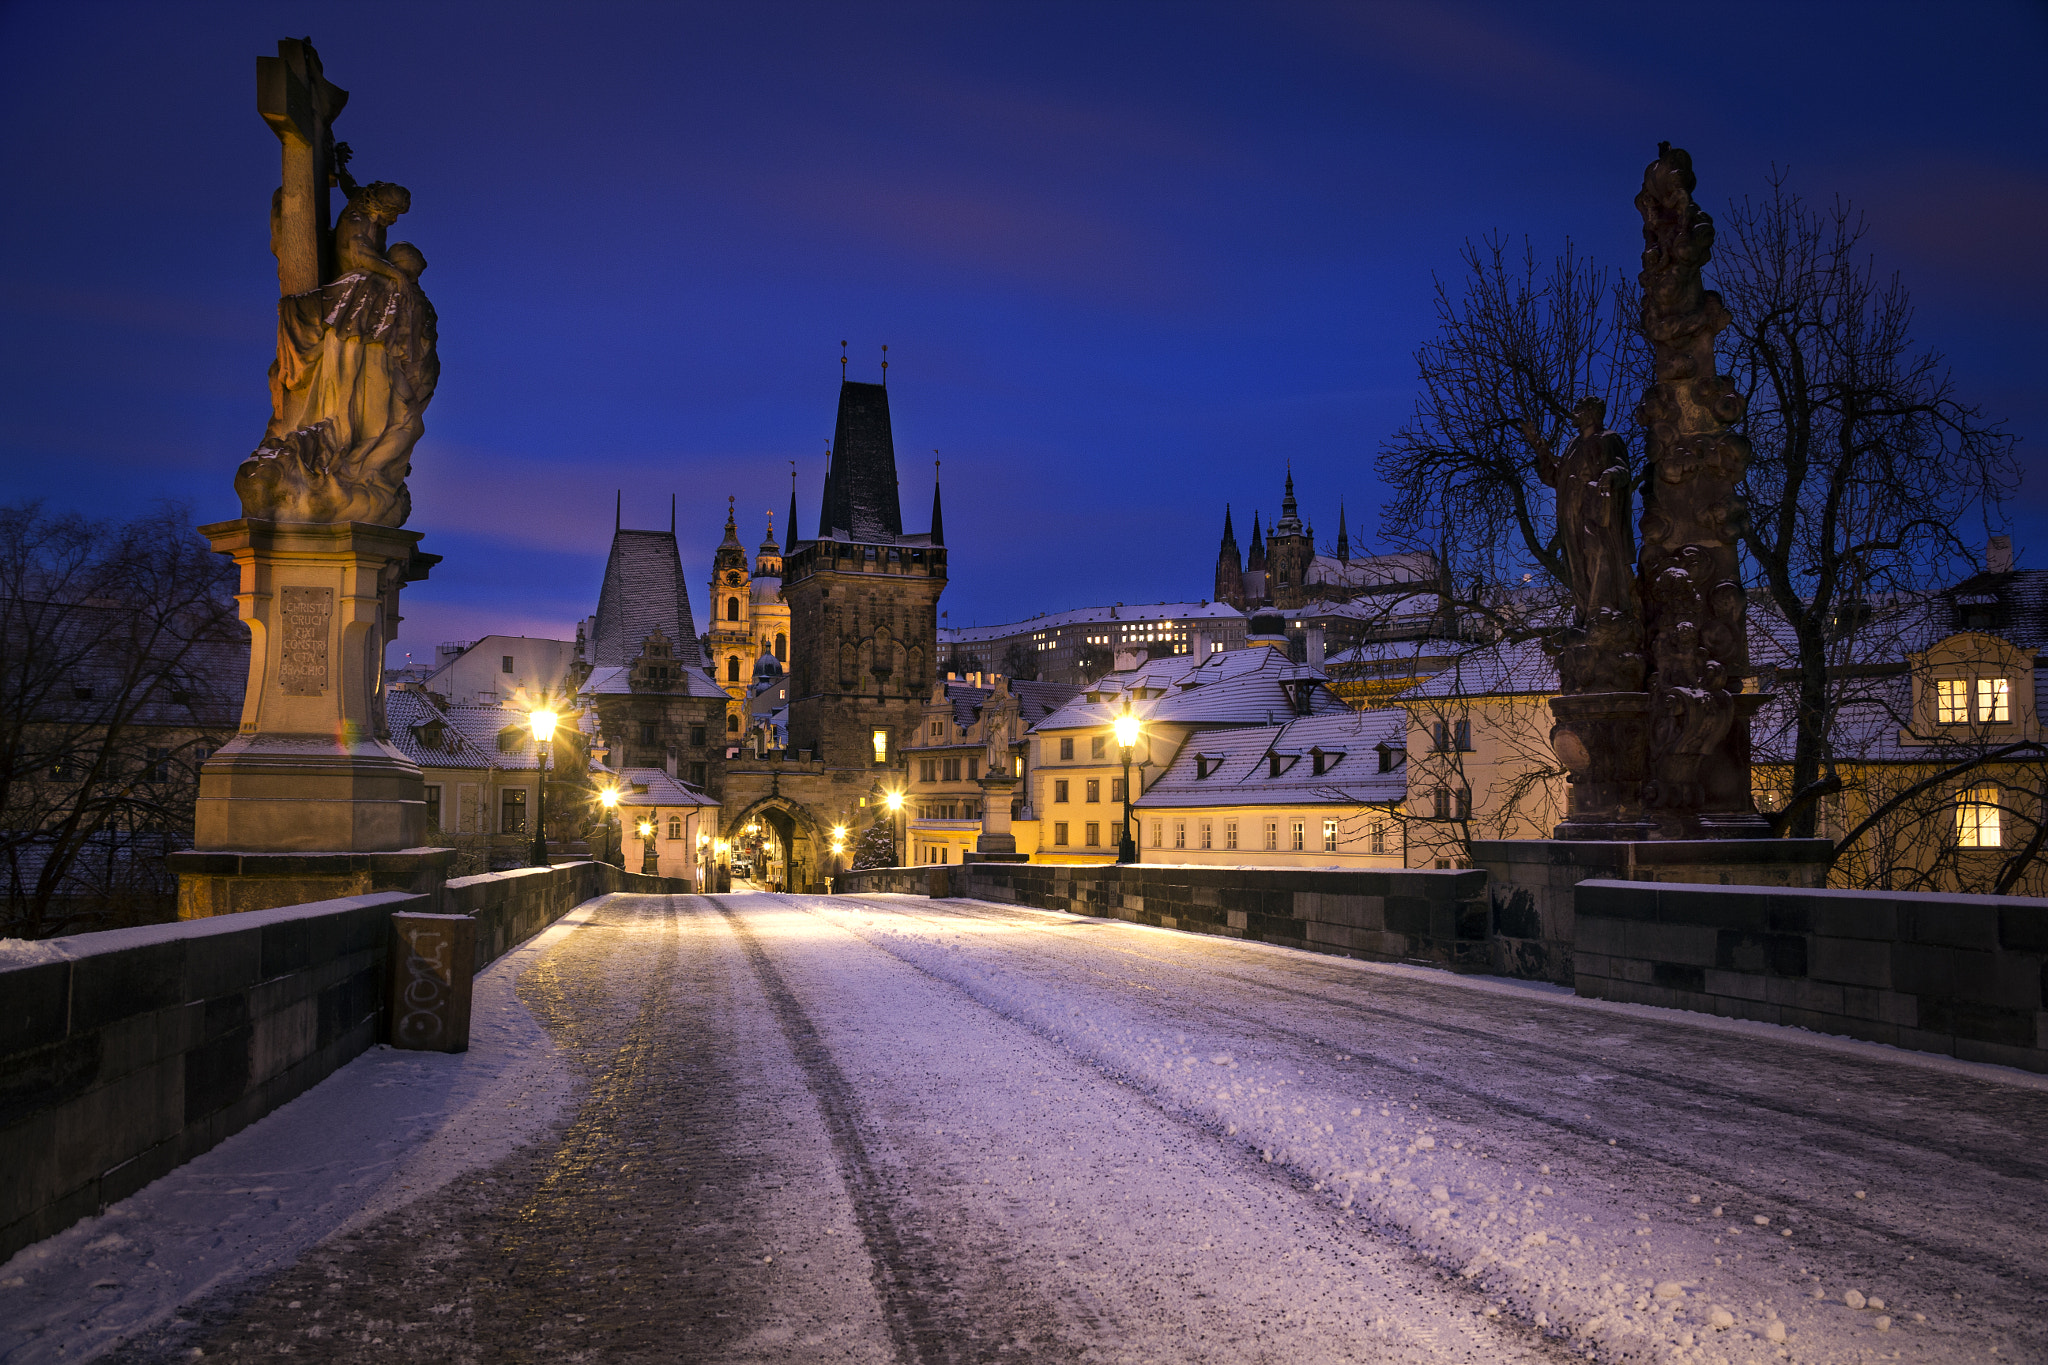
1315, 646
1998, 555
1198, 645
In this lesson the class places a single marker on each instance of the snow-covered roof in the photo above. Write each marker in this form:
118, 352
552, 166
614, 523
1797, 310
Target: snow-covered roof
654, 787
1504, 669
644, 587
1234, 767
1374, 572
438, 734
1192, 612
691, 681
1236, 687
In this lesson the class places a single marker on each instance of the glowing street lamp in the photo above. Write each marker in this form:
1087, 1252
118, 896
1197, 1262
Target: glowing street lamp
1126, 727
608, 798
650, 864
543, 722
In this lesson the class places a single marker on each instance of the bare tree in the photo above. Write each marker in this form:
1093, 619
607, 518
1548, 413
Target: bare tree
121, 667
1020, 661
1865, 461
1518, 345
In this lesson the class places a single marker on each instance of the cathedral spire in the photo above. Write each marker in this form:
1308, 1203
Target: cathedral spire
1290, 515
1343, 536
1255, 557
938, 521
1229, 567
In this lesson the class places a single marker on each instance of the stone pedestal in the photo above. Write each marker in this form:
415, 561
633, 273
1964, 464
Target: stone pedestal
995, 838
1603, 741
312, 770
433, 961
217, 882
1531, 884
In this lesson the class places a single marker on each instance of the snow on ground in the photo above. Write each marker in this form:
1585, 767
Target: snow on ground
1752, 1237
383, 1130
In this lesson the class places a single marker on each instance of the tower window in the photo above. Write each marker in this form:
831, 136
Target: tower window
732, 608
880, 741
732, 668
782, 648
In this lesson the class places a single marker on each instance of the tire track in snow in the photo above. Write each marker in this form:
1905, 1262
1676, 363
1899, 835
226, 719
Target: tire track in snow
916, 1286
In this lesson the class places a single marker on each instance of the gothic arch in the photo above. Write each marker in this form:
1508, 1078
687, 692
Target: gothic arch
809, 842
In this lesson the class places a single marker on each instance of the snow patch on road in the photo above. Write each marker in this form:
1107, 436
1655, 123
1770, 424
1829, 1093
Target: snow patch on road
1624, 1282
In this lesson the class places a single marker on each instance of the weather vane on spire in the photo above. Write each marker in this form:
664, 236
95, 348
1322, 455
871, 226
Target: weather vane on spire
885, 366
842, 362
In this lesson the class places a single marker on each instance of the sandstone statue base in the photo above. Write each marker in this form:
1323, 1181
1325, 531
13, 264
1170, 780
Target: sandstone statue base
312, 772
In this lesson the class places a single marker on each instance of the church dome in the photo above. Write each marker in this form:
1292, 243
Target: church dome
765, 592
767, 666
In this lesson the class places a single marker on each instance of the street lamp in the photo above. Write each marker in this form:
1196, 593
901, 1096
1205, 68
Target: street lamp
608, 797
894, 801
650, 865
1126, 736
543, 722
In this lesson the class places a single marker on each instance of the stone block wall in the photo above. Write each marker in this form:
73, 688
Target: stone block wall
1531, 884
1961, 975
128, 1052
1431, 917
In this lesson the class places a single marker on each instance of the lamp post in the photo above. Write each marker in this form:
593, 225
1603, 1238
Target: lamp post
650, 865
543, 722
608, 798
1126, 736
894, 801
838, 847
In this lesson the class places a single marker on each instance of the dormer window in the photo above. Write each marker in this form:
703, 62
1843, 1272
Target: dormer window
1326, 759
1207, 763
1278, 763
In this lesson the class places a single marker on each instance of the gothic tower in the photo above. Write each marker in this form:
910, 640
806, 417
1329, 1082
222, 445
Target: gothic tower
863, 601
1229, 568
1254, 569
1290, 550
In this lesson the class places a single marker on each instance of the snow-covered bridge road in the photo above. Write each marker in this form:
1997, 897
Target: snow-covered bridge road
894, 1129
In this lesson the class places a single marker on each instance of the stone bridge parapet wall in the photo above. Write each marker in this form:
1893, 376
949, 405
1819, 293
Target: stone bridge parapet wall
126, 1053
1961, 975
1437, 918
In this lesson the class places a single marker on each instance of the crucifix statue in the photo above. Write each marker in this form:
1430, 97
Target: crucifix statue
300, 105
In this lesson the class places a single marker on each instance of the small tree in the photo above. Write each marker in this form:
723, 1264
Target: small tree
877, 846
1093, 661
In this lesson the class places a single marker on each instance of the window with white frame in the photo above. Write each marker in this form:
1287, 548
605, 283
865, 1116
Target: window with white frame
1180, 834
1378, 842
1994, 700
1230, 834
1329, 836
1977, 822
1273, 836
1952, 701
675, 827
1158, 832
1094, 830
1059, 833
1206, 832
1294, 836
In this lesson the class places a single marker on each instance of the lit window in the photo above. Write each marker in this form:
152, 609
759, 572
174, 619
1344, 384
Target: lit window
1273, 836
1230, 834
1094, 789
1205, 835
1329, 836
1977, 824
1952, 702
1296, 836
1994, 700
881, 743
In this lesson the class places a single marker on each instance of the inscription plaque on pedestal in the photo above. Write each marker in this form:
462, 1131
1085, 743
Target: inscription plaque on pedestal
302, 668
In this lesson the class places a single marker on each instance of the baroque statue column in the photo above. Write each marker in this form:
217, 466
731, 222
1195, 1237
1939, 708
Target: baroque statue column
311, 799
1695, 611
1000, 713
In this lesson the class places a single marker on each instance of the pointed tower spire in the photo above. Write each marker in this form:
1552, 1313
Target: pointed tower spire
1255, 557
1229, 566
619, 511
938, 521
789, 534
1343, 536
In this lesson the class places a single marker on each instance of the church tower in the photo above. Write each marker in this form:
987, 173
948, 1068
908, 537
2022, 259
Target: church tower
1229, 568
732, 623
1254, 569
770, 611
863, 602
1290, 550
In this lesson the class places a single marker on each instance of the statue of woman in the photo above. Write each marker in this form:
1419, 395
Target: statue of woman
1602, 651
355, 371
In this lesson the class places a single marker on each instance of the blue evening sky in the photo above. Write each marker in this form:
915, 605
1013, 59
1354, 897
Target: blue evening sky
1130, 259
